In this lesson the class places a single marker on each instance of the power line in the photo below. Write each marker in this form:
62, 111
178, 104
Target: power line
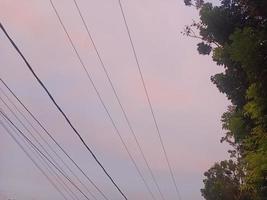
62, 112
118, 99
36, 140
97, 92
33, 161
52, 161
37, 149
47, 167
53, 139
148, 98
43, 139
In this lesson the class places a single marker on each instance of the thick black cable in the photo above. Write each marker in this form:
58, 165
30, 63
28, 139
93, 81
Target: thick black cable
35, 147
52, 138
62, 112
100, 98
148, 99
44, 140
33, 161
118, 100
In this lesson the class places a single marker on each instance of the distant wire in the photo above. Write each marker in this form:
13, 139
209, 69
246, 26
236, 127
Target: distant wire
118, 99
98, 94
43, 139
37, 149
53, 139
36, 140
62, 112
33, 161
46, 165
148, 99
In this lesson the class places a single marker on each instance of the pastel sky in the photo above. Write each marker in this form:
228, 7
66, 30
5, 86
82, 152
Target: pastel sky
187, 105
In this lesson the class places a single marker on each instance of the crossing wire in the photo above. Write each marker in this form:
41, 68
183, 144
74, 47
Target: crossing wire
37, 149
148, 98
42, 147
101, 100
62, 112
47, 167
52, 138
45, 141
33, 161
117, 98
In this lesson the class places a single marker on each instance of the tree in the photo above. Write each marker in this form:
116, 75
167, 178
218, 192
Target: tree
223, 182
235, 33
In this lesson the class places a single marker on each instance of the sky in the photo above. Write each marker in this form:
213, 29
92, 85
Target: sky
186, 104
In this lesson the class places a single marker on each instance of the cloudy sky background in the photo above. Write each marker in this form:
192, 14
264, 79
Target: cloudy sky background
187, 105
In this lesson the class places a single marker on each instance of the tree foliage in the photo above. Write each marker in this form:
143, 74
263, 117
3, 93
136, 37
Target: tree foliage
235, 33
222, 182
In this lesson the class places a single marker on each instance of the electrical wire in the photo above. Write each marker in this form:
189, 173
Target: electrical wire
47, 166
99, 96
42, 147
118, 99
62, 112
33, 161
148, 98
53, 139
37, 149
44, 140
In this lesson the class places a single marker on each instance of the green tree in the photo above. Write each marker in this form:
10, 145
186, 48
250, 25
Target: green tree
235, 33
223, 182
